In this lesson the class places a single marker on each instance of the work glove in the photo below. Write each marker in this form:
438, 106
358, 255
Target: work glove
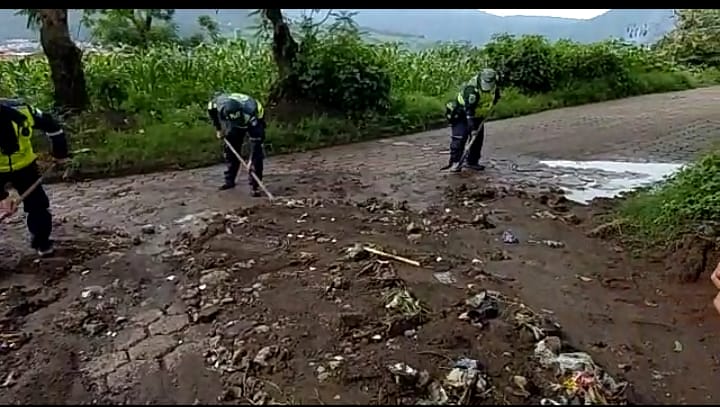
218, 134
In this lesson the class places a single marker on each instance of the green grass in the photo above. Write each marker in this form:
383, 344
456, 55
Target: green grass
687, 202
165, 89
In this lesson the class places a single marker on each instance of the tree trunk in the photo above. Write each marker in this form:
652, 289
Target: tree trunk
284, 46
65, 60
145, 29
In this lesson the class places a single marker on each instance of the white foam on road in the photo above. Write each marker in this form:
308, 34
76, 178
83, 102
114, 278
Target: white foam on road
610, 179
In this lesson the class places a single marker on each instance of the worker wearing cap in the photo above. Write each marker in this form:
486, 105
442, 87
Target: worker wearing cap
466, 114
234, 115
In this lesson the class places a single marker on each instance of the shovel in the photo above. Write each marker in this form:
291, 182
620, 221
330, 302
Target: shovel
247, 166
467, 146
39, 181
29, 190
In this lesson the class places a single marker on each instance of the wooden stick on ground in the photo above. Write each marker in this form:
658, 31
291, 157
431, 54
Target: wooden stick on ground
247, 167
391, 256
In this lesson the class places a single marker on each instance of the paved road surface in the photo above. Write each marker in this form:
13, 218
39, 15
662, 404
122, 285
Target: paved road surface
662, 127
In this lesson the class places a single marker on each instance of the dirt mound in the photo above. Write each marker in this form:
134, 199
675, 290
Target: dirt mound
686, 259
692, 257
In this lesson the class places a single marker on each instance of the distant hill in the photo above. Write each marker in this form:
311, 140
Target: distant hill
477, 27
418, 25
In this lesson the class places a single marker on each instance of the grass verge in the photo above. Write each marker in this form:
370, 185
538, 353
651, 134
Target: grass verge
184, 138
687, 202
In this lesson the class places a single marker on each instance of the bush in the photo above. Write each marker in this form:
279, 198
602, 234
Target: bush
339, 70
528, 63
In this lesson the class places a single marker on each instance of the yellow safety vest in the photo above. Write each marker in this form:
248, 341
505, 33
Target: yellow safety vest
483, 106
25, 154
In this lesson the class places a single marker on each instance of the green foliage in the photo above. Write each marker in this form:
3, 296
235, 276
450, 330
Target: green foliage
527, 63
534, 65
336, 68
164, 88
210, 27
683, 203
695, 39
133, 27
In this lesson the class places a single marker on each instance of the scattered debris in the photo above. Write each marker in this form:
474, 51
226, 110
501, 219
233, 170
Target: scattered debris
553, 244
391, 256
403, 302
407, 376
509, 238
92, 291
585, 381
445, 277
465, 379
483, 307
274, 292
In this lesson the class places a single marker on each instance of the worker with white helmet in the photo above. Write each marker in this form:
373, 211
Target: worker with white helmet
467, 113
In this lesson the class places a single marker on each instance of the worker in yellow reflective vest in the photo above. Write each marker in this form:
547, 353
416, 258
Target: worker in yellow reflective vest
18, 166
467, 113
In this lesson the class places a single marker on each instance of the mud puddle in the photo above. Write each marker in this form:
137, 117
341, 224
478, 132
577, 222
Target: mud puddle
607, 179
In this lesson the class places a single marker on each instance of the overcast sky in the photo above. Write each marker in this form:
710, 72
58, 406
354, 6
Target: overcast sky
567, 13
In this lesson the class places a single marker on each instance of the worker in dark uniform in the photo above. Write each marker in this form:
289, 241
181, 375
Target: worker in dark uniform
466, 114
233, 116
18, 166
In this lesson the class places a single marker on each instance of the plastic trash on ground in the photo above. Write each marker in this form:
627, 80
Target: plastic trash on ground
466, 373
483, 307
509, 238
585, 382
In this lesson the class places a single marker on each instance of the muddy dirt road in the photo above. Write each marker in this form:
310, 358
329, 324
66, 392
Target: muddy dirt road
165, 290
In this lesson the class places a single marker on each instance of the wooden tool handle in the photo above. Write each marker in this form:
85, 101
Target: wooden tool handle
252, 173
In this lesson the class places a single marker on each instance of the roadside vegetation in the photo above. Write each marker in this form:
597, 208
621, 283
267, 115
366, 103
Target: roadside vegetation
140, 107
688, 203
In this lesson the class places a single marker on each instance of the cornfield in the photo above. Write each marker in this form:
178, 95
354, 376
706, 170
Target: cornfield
173, 77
